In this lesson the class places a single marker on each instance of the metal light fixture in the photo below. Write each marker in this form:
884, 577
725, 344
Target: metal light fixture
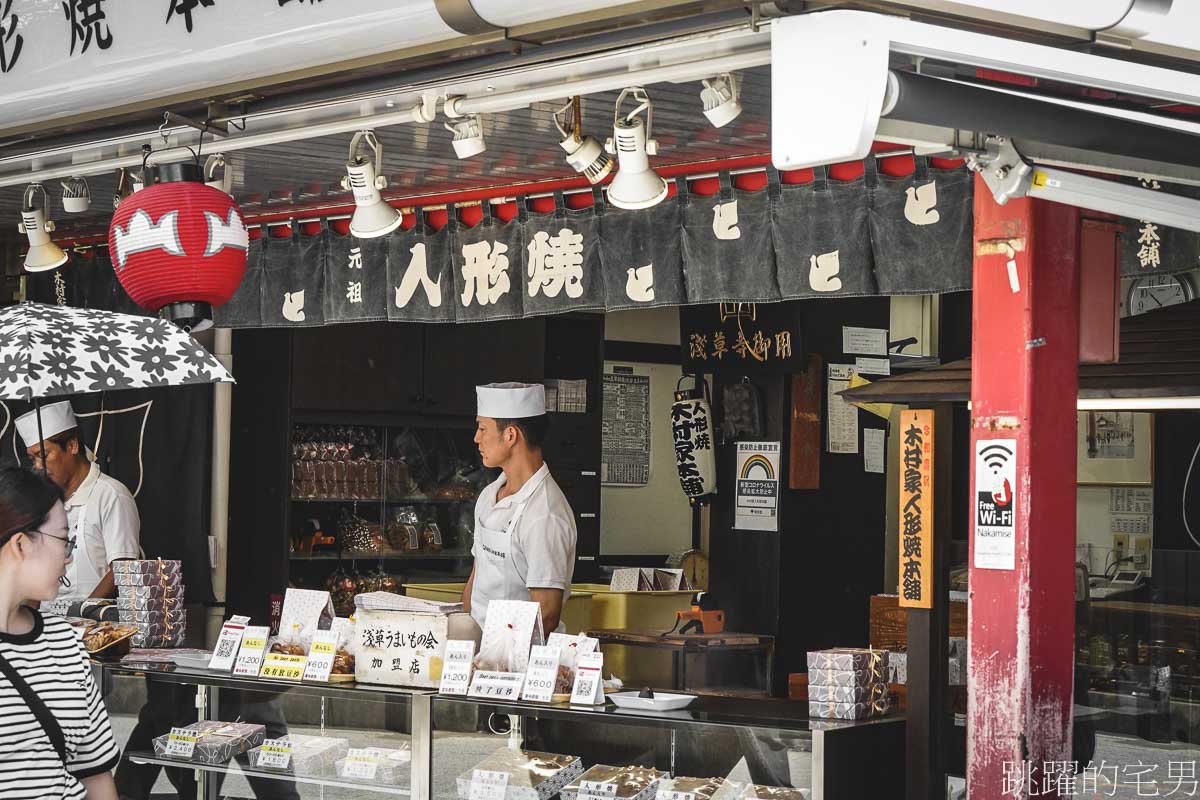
77, 196
722, 104
372, 217
468, 136
636, 184
223, 183
43, 255
584, 153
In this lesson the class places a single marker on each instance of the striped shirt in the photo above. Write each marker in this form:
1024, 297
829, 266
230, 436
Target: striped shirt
52, 660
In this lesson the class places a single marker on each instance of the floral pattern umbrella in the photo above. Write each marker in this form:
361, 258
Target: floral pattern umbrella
50, 351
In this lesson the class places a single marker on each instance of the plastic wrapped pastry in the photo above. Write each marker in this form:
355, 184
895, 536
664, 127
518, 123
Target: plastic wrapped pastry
393, 765
218, 742
531, 775
755, 791
633, 783
312, 756
702, 788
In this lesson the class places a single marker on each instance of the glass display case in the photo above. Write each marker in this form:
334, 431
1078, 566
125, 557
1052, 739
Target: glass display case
357, 741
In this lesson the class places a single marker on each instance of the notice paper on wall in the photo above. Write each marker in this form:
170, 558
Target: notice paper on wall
864, 341
873, 366
1131, 500
625, 452
757, 506
843, 417
874, 449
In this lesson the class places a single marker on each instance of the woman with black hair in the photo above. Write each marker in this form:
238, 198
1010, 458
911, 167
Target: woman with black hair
57, 741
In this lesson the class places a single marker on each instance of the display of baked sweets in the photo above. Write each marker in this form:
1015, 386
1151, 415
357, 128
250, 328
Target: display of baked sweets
100, 636
702, 788
633, 783
531, 775
755, 791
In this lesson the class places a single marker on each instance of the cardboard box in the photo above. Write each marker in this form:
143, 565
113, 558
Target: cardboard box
404, 648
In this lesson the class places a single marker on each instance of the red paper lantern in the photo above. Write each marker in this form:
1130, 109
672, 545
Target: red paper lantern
179, 244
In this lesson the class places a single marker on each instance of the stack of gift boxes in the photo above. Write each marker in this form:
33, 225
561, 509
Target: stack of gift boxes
847, 683
150, 597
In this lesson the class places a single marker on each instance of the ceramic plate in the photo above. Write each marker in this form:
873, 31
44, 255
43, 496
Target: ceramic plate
662, 701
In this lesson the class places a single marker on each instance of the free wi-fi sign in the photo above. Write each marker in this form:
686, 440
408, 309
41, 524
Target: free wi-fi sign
995, 503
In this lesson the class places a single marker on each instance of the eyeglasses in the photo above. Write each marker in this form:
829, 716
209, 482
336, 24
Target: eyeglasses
69, 541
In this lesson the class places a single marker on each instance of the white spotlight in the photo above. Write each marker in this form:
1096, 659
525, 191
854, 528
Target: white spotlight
43, 254
721, 101
77, 196
584, 153
468, 136
636, 184
372, 217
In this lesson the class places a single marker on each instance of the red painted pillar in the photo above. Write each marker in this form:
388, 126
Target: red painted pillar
1024, 384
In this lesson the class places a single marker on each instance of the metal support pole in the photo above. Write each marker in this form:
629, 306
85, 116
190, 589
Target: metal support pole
421, 779
1025, 380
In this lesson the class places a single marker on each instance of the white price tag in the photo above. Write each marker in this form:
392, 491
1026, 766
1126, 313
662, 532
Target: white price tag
497, 685
181, 743
669, 795
597, 790
456, 668
588, 689
360, 763
488, 785
239, 620
275, 754
541, 675
228, 643
250, 654
320, 656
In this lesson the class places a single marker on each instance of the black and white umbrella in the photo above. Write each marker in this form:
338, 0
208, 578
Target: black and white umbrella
51, 351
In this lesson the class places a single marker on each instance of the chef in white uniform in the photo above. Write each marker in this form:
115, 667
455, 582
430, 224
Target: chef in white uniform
525, 531
101, 512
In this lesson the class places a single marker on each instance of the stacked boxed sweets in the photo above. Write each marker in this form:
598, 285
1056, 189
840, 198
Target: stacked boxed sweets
216, 742
847, 683
530, 775
621, 783
150, 598
312, 756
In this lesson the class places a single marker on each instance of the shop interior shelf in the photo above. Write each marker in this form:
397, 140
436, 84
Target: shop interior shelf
337, 499
143, 757
390, 556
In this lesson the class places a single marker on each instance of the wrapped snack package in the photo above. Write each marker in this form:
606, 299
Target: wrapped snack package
702, 788
531, 775
141, 594
393, 765
135, 604
512, 628
155, 567
163, 579
149, 615
570, 648
344, 658
312, 756
848, 658
824, 677
832, 710
633, 783
755, 791
218, 742
159, 636
841, 694
305, 611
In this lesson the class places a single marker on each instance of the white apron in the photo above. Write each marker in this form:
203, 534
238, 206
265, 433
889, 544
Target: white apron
496, 576
83, 574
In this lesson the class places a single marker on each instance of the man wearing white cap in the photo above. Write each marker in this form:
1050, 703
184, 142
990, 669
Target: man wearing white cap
525, 531
102, 514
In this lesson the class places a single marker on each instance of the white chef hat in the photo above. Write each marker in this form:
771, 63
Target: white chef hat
56, 418
511, 400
